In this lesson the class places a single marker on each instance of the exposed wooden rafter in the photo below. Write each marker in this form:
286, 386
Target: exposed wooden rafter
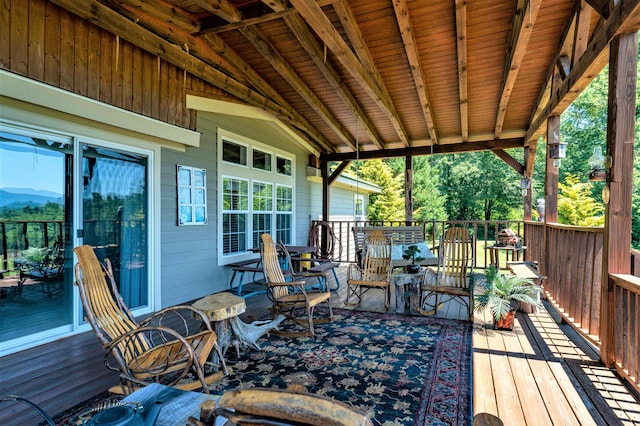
221, 8
526, 16
410, 47
309, 43
149, 41
624, 18
427, 150
322, 26
509, 160
279, 63
461, 45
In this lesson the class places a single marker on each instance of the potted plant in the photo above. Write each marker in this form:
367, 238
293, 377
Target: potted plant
412, 253
500, 291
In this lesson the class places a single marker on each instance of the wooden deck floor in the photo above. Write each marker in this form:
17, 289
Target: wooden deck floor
534, 375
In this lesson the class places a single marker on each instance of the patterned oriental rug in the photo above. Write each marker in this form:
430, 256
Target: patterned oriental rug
401, 370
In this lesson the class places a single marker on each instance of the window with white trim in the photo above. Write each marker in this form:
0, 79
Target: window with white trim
255, 198
262, 210
235, 211
284, 213
192, 196
358, 205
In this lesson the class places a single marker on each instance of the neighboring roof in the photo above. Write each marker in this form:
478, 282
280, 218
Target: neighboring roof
344, 180
377, 75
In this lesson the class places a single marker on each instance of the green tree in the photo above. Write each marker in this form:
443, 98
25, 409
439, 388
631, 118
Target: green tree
428, 202
389, 203
576, 206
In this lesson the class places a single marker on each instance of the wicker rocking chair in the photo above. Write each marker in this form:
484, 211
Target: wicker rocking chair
290, 296
452, 280
148, 351
375, 272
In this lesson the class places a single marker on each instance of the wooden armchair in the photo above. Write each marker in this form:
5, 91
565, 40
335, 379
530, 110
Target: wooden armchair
289, 296
148, 351
375, 272
452, 280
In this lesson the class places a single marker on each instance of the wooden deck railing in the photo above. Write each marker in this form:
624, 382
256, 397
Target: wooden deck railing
626, 332
571, 258
18, 235
484, 231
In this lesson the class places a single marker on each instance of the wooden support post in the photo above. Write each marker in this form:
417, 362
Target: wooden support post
623, 58
408, 191
551, 174
527, 197
324, 170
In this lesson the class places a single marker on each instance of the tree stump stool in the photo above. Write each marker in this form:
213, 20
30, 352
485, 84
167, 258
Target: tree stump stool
223, 309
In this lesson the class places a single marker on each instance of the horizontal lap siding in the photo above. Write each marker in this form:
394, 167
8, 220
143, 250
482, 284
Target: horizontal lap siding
41, 41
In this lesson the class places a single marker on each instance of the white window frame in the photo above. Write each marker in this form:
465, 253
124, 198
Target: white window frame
358, 199
252, 175
188, 196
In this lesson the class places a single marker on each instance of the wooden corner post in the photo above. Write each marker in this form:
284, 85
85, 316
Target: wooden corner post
623, 63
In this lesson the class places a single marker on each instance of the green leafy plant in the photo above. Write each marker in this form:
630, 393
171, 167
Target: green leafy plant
35, 255
501, 289
411, 253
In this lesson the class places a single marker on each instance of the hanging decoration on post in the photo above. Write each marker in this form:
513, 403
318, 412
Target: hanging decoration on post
557, 152
525, 184
598, 170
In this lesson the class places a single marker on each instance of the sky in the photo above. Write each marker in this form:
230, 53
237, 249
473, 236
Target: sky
31, 167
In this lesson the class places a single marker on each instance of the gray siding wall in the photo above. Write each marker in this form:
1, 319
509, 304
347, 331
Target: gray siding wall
189, 253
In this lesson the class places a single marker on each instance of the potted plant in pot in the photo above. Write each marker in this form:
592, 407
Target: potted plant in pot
412, 253
499, 293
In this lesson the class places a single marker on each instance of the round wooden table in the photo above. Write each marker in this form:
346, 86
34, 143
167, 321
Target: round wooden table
220, 308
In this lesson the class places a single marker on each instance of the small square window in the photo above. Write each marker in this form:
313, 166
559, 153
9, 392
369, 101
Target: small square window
261, 160
283, 166
234, 153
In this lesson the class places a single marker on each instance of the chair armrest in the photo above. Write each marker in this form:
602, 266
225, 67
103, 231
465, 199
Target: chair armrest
182, 314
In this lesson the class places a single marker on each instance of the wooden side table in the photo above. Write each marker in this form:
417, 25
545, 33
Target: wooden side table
403, 281
494, 253
223, 309
220, 308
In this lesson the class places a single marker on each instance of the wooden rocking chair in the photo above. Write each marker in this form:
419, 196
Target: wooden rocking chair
375, 272
148, 351
452, 281
291, 297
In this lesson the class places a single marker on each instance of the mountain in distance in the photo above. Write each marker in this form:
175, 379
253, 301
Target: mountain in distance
18, 198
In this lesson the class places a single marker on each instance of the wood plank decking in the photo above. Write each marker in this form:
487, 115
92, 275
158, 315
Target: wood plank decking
534, 375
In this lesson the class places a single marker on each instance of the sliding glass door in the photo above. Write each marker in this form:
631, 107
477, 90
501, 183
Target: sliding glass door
114, 216
35, 218
46, 179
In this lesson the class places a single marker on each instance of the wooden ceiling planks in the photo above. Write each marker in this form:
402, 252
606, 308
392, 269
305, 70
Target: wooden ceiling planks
453, 71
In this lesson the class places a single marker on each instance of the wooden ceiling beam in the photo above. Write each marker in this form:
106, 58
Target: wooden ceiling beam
322, 26
583, 18
106, 18
461, 44
221, 8
311, 46
426, 150
278, 62
601, 6
354, 35
406, 30
509, 160
165, 12
526, 16
624, 18
547, 89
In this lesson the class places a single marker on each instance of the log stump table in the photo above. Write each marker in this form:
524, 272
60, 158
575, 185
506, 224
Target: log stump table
223, 309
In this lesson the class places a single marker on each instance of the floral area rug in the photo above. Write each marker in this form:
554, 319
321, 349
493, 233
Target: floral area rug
400, 370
